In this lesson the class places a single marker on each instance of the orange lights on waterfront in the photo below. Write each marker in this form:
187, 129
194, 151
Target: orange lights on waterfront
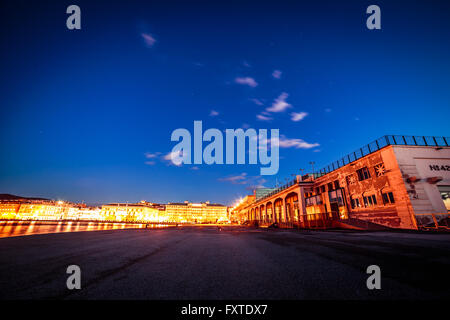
119, 212
196, 213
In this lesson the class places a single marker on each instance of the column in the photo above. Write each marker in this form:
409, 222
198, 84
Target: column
301, 203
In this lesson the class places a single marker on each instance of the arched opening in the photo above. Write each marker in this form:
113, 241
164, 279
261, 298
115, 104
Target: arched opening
292, 208
262, 210
269, 209
278, 210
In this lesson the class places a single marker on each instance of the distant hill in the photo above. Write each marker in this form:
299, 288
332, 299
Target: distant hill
6, 196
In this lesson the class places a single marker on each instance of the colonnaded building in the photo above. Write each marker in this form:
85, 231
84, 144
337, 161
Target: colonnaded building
393, 182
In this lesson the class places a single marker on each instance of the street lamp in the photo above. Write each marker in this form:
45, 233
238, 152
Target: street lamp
312, 165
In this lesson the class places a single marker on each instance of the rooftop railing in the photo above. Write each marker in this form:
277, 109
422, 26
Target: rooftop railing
384, 142
278, 189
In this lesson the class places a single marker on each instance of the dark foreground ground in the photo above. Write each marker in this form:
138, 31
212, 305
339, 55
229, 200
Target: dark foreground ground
236, 263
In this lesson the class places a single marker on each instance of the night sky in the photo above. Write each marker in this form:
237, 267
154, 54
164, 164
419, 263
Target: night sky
86, 115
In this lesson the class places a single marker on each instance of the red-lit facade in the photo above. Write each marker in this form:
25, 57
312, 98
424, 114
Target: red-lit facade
396, 182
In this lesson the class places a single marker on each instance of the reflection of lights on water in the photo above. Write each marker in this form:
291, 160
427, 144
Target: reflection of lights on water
17, 228
31, 227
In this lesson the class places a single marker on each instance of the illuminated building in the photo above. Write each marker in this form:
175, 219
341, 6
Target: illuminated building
239, 213
204, 212
43, 210
395, 181
84, 213
145, 212
25, 209
9, 209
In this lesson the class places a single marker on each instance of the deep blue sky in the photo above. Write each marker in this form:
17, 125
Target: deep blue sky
80, 109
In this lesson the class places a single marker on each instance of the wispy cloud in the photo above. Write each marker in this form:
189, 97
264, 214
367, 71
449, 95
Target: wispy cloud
174, 157
249, 81
149, 40
245, 179
263, 117
280, 104
296, 143
153, 156
239, 179
257, 101
284, 142
298, 116
150, 155
213, 113
276, 74
170, 158
257, 184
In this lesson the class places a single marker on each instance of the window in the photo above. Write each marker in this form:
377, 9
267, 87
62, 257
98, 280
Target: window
322, 189
363, 174
336, 184
370, 201
355, 202
388, 198
330, 187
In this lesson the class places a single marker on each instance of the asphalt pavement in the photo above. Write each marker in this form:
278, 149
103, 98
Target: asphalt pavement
234, 263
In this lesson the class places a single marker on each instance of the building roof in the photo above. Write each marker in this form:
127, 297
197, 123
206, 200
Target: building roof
189, 203
380, 143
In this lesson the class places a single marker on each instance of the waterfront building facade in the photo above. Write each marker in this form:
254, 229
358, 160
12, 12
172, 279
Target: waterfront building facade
44, 209
204, 212
395, 181
132, 212
9, 209
26, 209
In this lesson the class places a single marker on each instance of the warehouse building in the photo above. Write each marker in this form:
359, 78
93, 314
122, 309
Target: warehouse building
395, 181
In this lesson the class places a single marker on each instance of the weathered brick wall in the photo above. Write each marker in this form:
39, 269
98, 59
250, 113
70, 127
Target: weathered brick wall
397, 215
